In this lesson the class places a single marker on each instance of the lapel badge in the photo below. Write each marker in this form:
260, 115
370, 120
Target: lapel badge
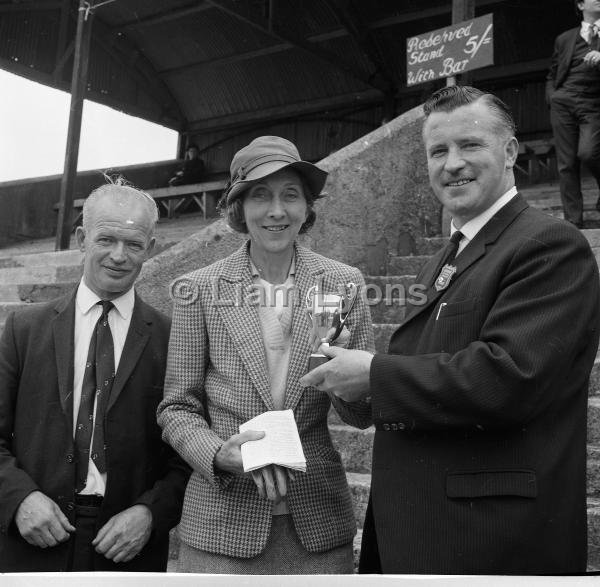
443, 280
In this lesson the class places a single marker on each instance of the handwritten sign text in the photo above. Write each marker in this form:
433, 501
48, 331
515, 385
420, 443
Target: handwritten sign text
449, 51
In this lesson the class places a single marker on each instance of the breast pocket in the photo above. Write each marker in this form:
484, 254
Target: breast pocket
473, 484
457, 324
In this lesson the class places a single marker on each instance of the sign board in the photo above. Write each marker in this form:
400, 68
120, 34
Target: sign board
450, 51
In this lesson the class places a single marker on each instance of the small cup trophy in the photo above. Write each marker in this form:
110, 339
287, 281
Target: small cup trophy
328, 310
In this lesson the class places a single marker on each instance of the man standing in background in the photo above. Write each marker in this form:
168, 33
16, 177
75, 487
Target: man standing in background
573, 94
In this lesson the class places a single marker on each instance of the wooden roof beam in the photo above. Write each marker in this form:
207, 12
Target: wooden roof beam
316, 52
143, 72
29, 6
327, 36
531, 69
371, 96
347, 15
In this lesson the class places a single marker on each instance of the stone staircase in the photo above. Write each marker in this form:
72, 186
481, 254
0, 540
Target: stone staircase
34, 277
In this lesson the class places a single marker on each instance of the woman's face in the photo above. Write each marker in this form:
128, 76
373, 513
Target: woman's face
275, 209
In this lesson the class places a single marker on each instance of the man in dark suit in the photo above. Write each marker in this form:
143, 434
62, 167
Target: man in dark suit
573, 93
479, 457
192, 170
86, 484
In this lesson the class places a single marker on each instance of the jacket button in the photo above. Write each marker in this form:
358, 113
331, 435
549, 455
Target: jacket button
70, 506
386, 427
401, 426
70, 458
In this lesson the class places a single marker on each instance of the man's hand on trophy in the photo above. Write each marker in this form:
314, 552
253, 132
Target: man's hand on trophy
346, 375
341, 341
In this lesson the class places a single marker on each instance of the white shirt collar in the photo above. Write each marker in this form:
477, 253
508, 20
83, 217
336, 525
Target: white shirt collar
585, 29
471, 228
86, 299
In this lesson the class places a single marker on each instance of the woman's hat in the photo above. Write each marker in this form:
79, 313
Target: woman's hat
264, 156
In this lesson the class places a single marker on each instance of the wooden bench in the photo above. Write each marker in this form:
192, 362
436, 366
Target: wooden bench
176, 198
172, 198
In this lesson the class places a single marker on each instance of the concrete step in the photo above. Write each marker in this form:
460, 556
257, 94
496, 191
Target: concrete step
427, 246
551, 190
38, 292
593, 424
409, 265
6, 308
593, 470
382, 334
354, 445
388, 296
594, 388
46, 274
47, 258
593, 533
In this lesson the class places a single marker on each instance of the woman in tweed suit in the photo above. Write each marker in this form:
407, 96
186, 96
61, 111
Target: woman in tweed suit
231, 359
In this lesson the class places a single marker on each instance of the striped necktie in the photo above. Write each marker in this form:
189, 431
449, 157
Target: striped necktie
97, 382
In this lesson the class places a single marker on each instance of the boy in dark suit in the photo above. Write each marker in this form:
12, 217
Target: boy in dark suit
573, 93
480, 405
86, 484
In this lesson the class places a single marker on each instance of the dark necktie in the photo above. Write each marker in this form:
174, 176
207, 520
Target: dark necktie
97, 383
594, 38
449, 253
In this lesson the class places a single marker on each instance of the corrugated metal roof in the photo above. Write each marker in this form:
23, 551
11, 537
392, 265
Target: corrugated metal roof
213, 65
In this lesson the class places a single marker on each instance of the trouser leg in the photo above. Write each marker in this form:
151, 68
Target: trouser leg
81, 556
589, 139
370, 562
566, 140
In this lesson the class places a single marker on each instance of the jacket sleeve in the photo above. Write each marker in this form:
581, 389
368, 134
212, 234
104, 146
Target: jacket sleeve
544, 317
182, 414
551, 77
359, 324
15, 484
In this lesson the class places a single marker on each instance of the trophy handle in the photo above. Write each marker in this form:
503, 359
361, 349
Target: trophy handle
350, 296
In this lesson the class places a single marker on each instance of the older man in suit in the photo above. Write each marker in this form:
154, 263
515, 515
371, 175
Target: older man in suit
479, 458
573, 93
86, 484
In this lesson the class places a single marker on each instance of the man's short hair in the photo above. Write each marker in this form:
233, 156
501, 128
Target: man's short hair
452, 97
119, 186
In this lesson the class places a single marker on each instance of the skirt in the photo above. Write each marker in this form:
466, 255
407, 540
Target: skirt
283, 555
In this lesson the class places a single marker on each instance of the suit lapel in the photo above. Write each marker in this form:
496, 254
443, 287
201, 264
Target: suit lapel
137, 337
241, 320
471, 253
308, 273
63, 328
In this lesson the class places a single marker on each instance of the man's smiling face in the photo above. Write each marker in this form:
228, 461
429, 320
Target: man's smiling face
469, 159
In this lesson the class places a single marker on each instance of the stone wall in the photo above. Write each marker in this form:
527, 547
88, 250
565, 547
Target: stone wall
378, 203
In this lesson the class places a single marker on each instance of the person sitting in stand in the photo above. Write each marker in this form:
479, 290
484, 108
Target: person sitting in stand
193, 169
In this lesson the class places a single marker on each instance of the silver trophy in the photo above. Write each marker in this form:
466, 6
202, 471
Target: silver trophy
328, 310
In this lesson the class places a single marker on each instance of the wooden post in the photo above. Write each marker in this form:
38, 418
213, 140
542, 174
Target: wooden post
78, 87
461, 10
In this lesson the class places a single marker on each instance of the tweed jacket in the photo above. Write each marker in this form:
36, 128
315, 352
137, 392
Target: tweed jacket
36, 433
217, 379
479, 458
